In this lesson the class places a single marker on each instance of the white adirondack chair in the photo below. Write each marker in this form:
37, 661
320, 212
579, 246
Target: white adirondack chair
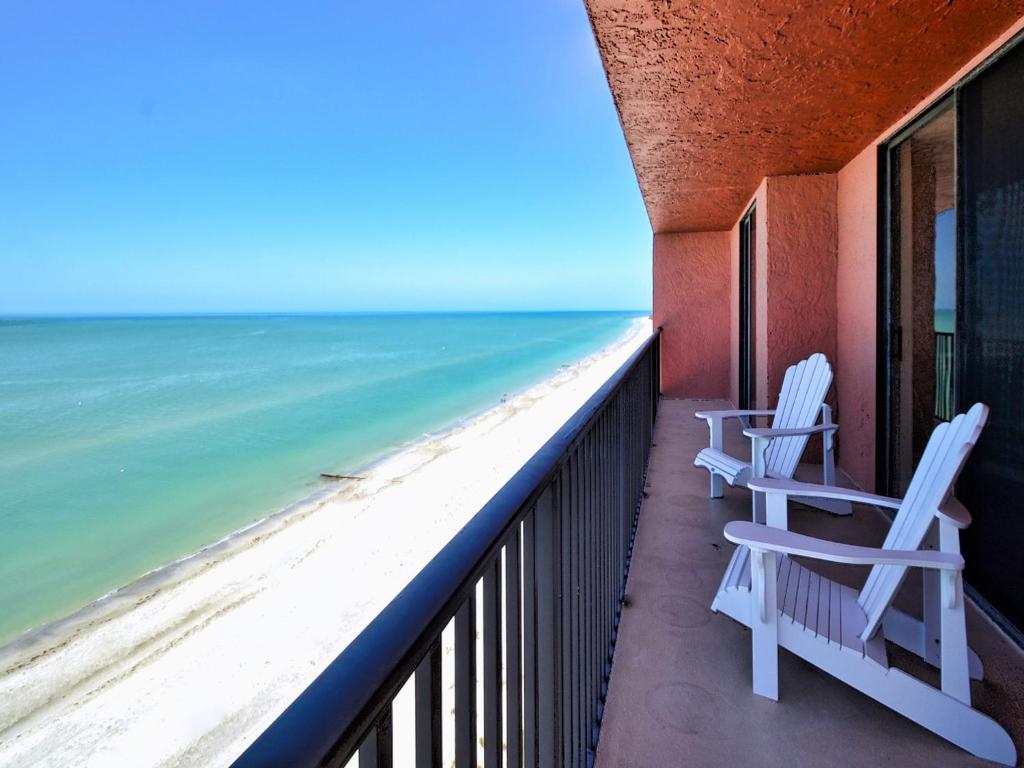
843, 631
776, 451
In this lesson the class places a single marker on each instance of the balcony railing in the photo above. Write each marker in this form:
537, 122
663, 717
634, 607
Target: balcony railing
551, 550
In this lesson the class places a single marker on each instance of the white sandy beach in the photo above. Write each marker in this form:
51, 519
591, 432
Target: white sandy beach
187, 666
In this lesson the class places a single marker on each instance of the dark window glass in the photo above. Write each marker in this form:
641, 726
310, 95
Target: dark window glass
991, 326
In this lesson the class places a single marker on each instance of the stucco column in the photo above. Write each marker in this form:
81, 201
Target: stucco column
796, 276
856, 302
691, 303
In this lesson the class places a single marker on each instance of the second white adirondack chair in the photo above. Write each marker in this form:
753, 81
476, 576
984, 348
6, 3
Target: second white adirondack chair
843, 631
776, 451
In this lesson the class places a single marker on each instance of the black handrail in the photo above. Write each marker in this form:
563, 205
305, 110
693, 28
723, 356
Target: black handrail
572, 507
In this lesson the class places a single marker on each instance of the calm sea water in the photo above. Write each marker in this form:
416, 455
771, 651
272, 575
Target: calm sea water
127, 443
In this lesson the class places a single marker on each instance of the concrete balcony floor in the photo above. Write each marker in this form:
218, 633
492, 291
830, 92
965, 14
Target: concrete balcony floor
680, 691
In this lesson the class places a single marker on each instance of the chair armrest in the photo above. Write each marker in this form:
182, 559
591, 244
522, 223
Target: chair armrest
730, 414
798, 489
767, 539
769, 432
954, 513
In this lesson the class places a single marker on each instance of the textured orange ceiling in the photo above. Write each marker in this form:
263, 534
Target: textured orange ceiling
713, 95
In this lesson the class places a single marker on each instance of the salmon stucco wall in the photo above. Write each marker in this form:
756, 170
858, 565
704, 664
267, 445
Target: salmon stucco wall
856, 302
734, 314
797, 277
691, 304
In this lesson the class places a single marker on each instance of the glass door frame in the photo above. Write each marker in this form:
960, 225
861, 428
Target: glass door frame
887, 338
889, 332
747, 391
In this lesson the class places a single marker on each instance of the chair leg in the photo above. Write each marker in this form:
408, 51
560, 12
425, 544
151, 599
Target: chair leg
953, 651
757, 507
715, 429
828, 463
932, 621
916, 636
764, 624
758, 469
955, 667
717, 486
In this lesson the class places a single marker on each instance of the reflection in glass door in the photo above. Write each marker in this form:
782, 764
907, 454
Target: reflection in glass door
922, 289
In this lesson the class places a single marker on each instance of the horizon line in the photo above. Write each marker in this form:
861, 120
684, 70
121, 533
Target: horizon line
309, 313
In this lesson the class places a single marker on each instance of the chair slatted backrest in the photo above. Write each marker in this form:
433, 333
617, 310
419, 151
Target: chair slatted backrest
803, 393
933, 481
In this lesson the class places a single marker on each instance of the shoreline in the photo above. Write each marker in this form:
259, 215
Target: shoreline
106, 606
73, 660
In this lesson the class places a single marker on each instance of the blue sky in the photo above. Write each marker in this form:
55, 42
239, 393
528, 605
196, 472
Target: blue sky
945, 260
312, 156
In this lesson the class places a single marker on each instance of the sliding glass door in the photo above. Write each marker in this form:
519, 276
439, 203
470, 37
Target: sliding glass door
922, 290
990, 338
951, 317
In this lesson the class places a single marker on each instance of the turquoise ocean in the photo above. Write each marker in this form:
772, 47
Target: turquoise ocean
127, 443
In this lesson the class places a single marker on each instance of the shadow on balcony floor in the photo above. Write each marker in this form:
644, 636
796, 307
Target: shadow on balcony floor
680, 691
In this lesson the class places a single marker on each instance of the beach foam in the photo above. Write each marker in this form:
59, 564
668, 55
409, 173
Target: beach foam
187, 665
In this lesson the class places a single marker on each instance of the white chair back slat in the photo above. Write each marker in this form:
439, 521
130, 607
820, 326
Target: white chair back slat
803, 392
789, 395
785, 413
911, 519
793, 386
933, 481
818, 377
786, 395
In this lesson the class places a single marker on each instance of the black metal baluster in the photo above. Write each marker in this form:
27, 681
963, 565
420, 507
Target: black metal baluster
606, 537
428, 709
613, 530
549, 667
633, 431
604, 564
586, 591
593, 655
607, 600
513, 649
600, 638
579, 624
465, 684
602, 560
492, 665
621, 497
368, 751
567, 609
586, 558
530, 709
375, 751
592, 590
